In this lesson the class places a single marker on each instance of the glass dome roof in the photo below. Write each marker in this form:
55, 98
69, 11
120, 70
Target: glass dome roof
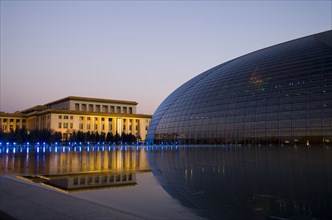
278, 95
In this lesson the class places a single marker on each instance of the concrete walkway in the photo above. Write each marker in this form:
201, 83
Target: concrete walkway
23, 200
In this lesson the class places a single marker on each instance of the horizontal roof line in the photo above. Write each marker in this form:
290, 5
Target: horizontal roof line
76, 112
79, 98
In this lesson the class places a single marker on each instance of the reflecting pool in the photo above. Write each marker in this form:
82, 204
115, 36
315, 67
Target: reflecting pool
186, 182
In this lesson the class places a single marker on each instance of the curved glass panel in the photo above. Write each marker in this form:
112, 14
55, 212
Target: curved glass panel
278, 95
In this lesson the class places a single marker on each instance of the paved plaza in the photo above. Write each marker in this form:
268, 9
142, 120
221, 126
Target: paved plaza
24, 200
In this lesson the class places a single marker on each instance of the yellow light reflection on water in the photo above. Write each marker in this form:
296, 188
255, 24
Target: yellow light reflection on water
64, 160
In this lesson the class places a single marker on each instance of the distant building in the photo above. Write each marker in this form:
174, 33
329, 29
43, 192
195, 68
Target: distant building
72, 114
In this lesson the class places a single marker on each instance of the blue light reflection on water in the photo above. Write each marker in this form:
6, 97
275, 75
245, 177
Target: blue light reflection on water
225, 182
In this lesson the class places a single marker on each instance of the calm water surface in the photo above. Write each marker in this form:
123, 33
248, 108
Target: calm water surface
187, 182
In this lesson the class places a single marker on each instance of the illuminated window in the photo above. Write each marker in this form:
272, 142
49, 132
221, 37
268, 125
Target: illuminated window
81, 126
75, 181
71, 125
65, 125
111, 179
65, 117
82, 181
83, 107
105, 108
91, 108
104, 179
59, 125
89, 180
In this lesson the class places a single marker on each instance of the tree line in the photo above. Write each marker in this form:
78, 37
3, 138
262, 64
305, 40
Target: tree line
23, 135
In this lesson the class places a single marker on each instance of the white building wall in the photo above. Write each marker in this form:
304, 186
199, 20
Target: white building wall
67, 123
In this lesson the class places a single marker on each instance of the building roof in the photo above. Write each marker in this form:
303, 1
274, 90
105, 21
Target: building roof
16, 114
76, 112
36, 108
88, 99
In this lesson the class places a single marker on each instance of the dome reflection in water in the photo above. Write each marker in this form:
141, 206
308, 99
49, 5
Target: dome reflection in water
252, 182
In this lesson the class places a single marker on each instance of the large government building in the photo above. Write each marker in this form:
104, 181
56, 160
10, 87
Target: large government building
277, 95
72, 114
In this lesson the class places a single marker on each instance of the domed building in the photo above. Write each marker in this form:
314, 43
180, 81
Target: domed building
277, 95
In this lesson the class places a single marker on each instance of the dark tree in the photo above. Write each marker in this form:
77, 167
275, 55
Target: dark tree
80, 136
97, 137
117, 138
102, 137
109, 137
73, 137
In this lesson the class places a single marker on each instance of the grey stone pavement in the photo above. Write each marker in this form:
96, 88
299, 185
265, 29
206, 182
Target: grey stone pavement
24, 200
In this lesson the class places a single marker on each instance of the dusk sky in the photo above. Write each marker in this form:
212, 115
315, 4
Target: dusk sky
135, 50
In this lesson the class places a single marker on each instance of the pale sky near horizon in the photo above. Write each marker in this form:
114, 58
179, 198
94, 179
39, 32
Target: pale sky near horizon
135, 50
